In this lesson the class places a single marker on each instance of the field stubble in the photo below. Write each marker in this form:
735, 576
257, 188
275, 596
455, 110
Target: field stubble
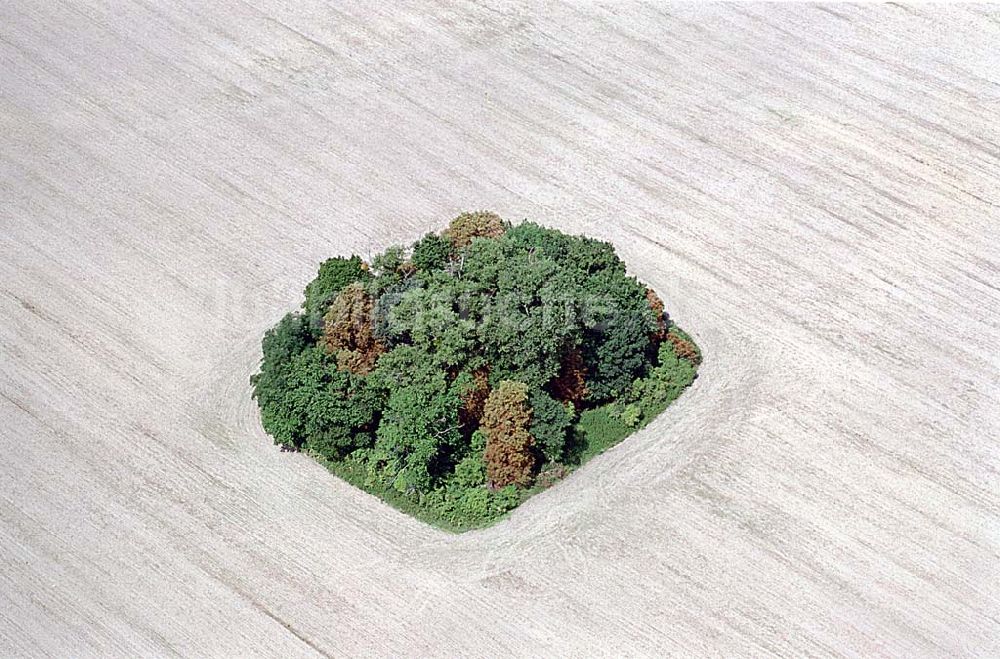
813, 191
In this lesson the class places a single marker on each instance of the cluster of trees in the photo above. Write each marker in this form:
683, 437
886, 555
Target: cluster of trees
456, 376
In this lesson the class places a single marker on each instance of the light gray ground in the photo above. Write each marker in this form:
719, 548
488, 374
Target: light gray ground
814, 191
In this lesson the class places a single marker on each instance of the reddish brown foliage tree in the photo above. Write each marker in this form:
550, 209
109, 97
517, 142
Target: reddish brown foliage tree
569, 384
348, 330
474, 399
684, 349
506, 416
656, 304
481, 224
356, 361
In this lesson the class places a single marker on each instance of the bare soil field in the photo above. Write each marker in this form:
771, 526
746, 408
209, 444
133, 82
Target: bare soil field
814, 191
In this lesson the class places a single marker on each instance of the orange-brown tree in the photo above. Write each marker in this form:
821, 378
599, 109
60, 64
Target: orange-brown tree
509, 456
684, 349
656, 304
481, 224
474, 399
570, 383
348, 330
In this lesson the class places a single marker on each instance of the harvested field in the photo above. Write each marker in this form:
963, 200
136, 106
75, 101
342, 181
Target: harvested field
814, 191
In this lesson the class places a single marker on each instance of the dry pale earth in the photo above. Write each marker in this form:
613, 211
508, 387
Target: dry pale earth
814, 190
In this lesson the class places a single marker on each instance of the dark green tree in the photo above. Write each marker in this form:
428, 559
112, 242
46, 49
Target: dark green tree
591, 256
337, 409
280, 346
431, 252
619, 326
283, 341
530, 318
306, 402
550, 421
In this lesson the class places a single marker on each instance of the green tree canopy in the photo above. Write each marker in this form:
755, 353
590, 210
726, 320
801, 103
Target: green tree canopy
550, 421
420, 428
306, 402
431, 252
